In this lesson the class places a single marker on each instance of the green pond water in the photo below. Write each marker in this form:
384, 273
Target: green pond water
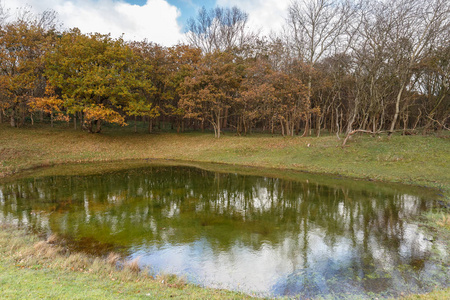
299, 236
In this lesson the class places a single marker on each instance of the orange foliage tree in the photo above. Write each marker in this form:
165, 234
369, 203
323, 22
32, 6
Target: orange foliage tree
49, 104
211, 89
21, 64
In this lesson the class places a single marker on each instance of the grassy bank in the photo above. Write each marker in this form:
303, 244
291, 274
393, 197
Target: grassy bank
413, 160
31, 268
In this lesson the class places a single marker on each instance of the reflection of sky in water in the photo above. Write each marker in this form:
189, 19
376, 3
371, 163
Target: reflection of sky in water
280, 269
287, 238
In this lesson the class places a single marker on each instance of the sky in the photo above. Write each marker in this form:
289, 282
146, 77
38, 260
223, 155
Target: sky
160, 21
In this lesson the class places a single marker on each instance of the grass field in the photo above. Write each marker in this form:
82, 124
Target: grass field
415, 160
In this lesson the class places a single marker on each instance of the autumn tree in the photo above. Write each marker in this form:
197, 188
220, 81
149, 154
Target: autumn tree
256, 101
154, 58
99, 77
211, 89
182, 60
50, 104
271, 95
24, 42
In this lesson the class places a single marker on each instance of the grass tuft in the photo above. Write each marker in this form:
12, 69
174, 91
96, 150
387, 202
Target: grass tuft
172, 280
112, 259
133, 265
444, 221
52, 239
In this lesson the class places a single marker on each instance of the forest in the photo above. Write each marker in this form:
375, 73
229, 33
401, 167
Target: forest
337, 67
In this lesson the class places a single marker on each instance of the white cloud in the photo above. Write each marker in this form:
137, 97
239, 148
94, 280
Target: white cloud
155, 21
267, 15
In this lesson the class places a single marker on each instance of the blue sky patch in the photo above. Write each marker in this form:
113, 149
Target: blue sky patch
188, 8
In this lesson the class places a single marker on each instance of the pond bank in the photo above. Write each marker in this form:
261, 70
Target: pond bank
32, 267
415, 160
31, 148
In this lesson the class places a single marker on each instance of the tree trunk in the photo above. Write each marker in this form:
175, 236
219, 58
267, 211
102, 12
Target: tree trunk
23, 110
13, 118
417, 120
244, 126
225, 119
286, 126
405, 123
338, 129
94, 126
353, 117
218, 124
308, 106
397, 109
318, 125
150, 125
99, 126
81, 119
292, 127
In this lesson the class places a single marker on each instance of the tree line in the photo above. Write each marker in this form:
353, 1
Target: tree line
337, 66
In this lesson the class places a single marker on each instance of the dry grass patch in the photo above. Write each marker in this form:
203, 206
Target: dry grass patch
112, 259
444, 221
30, 252
133, 265
34, 269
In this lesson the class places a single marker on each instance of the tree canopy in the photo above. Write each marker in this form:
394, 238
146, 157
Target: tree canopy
339, 66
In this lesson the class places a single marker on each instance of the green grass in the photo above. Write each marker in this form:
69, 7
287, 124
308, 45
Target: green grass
34, 269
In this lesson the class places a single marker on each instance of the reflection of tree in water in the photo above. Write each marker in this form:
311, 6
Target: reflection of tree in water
180, 205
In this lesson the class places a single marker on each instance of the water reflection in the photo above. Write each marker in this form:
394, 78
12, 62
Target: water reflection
255, 234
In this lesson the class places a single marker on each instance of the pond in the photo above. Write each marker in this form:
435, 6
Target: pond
296, 234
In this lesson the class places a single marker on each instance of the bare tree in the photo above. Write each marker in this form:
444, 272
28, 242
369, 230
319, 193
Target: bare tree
372, 68
417, 27
219, 29
4, 13
318, 28
434, 83
46, 20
